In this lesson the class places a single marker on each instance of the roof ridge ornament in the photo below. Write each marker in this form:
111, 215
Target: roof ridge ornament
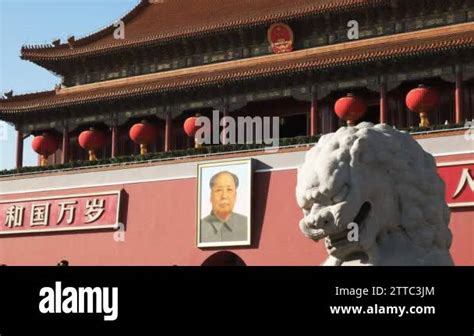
8, 95
56, 42
71, 40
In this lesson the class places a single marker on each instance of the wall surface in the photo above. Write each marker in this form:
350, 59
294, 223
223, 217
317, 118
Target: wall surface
159, 213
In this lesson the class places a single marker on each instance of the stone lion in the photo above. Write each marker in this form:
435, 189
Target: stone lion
383, 181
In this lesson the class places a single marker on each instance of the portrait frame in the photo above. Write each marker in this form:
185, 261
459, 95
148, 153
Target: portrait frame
243, 169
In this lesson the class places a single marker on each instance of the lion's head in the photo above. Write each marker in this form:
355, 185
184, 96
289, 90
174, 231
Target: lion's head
382, 180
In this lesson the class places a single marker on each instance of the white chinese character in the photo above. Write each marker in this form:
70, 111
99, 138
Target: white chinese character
39, 214
94, 209
67, 206
14, 216
466, 178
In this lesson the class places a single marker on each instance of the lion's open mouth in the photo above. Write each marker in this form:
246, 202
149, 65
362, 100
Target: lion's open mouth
340, 239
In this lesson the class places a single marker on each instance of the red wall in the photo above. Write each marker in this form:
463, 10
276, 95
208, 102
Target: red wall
462, 227
160, 230
462, 222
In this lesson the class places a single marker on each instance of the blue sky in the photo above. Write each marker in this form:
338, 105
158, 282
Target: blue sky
39, 22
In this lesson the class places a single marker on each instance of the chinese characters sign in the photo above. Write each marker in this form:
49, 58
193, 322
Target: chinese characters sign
459, 180
60, 213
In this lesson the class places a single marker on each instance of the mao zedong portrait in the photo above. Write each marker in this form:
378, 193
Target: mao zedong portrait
223, 224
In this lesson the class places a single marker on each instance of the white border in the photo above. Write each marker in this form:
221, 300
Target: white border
452, 153
223, 163
454, 163
265, 170
102, 193
81, 228
460, 205
128, 182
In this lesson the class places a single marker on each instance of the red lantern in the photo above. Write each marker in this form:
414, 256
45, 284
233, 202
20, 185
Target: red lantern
143, 134
350, 108
421, 100
44, 145
190, 127
92, 140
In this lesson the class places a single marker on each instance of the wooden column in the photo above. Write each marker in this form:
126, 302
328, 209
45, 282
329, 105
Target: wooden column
168, 131
65, 153
334, 120
402, 117
114, 130
19, 149
459, 98
324, 118
313, 118
383, 103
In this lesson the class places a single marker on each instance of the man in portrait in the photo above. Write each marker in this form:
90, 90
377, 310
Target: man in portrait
223, 224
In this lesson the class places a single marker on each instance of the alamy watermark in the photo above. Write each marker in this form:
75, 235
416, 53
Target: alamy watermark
353, 31
119, 31
3, 131
240, 130
469, 134
119, 235
82, 300
353, 232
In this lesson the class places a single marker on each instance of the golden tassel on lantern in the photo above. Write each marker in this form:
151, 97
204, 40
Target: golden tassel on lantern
424, 121
143, 149
422, 100
43, 160
92, 156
